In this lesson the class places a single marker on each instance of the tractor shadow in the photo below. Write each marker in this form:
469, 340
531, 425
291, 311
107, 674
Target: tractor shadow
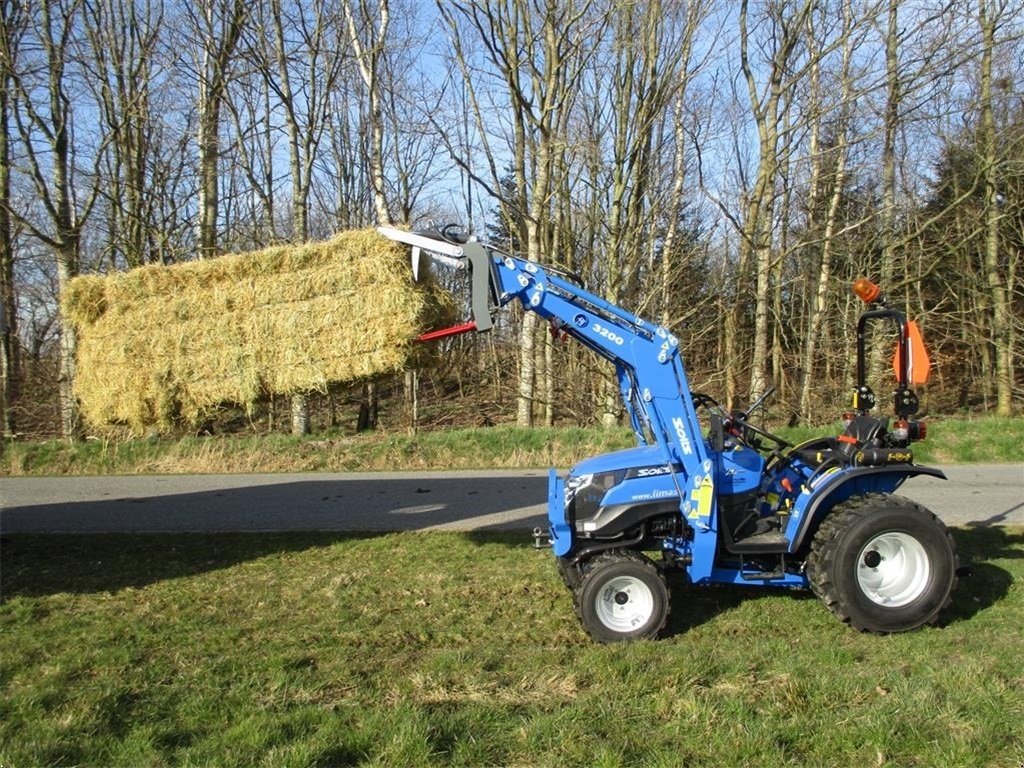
112, 542
38, 565
983, 583
693, 606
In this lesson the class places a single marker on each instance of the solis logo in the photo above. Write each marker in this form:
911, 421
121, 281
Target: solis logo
652, 471
684, 440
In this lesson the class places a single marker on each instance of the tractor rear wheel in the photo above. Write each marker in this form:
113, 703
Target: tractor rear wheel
621, 597
883, 564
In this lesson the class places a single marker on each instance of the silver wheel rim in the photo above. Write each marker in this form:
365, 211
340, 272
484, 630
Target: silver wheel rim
893, 569
624, 604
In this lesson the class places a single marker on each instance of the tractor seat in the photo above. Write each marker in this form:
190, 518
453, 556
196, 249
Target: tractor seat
819, 451
864, 429
861, 431
841, 451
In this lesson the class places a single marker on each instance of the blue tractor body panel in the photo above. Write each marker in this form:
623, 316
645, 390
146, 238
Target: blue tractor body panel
558, 525
837, 486
651, 456
738, 471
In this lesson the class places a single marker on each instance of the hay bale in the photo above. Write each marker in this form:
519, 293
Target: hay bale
160, 346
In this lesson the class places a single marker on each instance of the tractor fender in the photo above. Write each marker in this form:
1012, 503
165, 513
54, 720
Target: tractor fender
814, 503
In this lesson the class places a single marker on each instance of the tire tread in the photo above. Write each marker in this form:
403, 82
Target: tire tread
612, 557
823, 550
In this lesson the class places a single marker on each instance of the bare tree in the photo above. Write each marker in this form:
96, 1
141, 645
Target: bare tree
786, 21
301, 69
43, 113
891, 121
368, 31
676, 199
123, 36
350, 198
828, 170
254, 150
989, 13
650, 56
218, 25
13, 20
538, 50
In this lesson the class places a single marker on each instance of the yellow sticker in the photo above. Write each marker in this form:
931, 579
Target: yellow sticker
703, 496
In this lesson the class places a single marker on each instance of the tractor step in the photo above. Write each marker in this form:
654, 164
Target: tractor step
762, 575
758, 574
766, 543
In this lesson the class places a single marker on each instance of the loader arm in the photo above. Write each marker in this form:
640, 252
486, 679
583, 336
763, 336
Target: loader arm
646, 356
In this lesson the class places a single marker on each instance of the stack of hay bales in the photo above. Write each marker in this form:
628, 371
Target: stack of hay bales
163, 346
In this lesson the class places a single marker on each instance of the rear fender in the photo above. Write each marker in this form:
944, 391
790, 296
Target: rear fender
814, 502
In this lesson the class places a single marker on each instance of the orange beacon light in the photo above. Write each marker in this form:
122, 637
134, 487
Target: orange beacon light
866, 290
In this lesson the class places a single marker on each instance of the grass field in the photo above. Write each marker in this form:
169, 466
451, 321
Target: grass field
462, 649
986, 439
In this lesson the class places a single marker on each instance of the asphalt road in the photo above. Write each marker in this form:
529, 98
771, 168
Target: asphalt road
478, 500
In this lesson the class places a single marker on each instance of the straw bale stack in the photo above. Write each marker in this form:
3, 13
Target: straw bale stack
160, 346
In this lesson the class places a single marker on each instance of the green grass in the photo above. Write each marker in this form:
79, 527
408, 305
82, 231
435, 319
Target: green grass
463, 649
986, 439
504, 446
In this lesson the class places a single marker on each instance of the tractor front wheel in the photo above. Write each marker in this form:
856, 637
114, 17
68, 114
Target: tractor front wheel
621, 597
883, 564
569, 571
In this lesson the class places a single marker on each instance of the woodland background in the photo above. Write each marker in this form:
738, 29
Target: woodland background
725, 168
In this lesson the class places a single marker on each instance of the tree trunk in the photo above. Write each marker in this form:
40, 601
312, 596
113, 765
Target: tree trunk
9, 373
209, 181
887, 220
216, 57
68, 229
367, 418
819, 300
368, 59
527, 372
675, 202
757, 229
300, 414
412, 385
993, 270
70, 416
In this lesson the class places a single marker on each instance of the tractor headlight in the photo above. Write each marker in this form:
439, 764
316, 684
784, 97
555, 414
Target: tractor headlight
584, 493
573, 484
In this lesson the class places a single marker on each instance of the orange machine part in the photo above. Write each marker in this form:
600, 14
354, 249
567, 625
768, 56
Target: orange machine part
866, 290
920, 364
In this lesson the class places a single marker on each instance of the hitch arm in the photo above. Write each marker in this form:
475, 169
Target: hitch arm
472, 255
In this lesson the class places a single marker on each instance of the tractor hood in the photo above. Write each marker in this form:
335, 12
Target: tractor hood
644, 456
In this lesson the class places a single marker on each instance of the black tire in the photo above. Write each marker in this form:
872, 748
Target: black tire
569, 572
883, 564
622, 597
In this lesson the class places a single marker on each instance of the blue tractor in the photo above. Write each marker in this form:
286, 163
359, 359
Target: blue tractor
727, 502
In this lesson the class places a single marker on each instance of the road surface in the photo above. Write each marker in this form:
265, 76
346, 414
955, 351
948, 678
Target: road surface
469, 500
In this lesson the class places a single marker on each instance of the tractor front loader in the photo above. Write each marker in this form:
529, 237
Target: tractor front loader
730, 503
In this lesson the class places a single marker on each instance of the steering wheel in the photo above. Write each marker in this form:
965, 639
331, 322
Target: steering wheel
736, 423
747, 427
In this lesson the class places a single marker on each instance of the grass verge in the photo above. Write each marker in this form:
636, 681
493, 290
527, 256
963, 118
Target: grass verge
421, 649
953, 441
